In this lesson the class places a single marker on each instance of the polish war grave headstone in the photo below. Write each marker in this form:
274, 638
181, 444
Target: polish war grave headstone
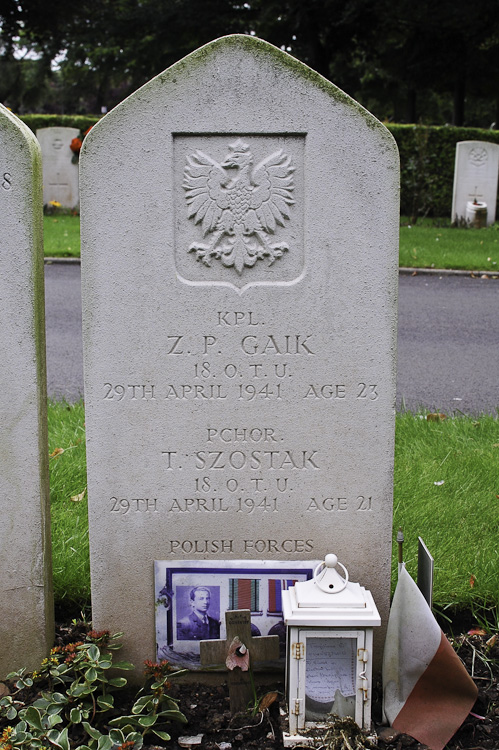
26, 610
475, 182
60, 173
239, 270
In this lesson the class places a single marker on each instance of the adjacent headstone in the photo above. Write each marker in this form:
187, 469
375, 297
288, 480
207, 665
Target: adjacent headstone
475, 181
26, 607
239, 268
60, 172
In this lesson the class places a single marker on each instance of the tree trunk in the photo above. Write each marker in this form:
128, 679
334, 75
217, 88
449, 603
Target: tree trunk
412, 112
459, 98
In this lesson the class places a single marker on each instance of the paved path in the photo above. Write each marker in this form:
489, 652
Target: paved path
63, 331
448, 344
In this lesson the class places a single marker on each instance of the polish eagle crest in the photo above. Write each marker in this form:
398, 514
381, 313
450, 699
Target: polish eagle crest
238, 205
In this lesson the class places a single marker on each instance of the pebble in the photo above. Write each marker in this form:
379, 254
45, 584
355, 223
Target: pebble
190, 741
388, 734
297, 741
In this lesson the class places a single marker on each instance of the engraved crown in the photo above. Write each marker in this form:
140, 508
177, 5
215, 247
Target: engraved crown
239, 147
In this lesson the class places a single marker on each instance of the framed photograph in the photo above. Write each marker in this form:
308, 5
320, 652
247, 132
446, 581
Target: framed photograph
192, 597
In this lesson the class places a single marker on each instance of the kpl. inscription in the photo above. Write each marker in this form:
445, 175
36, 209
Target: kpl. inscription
242, 379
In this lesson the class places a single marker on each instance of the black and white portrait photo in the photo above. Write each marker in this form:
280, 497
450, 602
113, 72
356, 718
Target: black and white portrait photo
202, 619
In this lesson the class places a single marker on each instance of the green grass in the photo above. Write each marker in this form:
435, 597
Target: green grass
446, 489
61, 235
425, 244
70, 556
428, 245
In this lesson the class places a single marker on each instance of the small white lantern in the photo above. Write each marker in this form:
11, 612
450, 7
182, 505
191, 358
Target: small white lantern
330, 625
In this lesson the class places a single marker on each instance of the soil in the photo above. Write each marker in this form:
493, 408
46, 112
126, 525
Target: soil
207, 711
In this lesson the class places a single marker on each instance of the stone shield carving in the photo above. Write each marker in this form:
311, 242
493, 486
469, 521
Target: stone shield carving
239, 224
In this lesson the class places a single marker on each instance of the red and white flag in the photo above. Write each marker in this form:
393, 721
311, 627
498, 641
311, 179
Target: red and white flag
427, 692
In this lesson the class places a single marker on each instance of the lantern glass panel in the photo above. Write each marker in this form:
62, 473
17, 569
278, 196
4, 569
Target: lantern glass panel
330, 673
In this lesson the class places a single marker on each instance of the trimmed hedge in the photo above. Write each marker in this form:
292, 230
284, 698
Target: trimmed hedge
427, 155
82, 122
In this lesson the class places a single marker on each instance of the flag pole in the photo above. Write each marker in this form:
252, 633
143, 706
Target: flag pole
400, 542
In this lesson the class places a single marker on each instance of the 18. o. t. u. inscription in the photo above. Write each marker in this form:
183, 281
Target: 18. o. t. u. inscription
239, 205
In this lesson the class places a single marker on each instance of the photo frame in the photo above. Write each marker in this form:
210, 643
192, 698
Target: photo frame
192, 596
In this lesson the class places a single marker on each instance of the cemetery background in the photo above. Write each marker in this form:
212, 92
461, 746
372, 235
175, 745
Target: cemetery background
404, 63
427, 159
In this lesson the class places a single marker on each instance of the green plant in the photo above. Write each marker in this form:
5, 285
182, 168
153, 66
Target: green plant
77, 143
61, 233
74, 698
153, 708
419, 177
446, 491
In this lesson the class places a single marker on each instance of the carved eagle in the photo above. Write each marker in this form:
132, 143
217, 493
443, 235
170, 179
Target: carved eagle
239, 205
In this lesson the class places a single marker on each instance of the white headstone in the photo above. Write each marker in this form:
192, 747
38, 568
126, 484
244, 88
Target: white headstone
239, 268
475, 179
26, 607
60, 173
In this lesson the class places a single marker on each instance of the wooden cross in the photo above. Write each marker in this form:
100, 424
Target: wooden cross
261, 648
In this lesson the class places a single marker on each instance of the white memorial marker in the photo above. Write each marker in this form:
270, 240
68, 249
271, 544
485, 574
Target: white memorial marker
60, 173
239, 267
475, 180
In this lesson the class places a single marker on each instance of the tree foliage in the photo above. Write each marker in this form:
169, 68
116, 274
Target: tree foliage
433, 61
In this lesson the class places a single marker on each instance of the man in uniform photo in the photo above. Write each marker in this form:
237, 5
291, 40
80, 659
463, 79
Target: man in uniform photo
198, 625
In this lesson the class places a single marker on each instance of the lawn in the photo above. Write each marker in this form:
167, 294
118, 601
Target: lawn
61, 236
428, 244
446, 489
